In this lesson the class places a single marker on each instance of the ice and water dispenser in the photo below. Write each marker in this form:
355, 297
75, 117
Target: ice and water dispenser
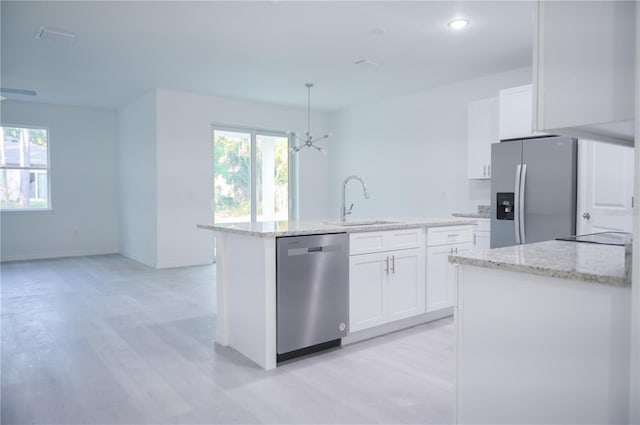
505, 205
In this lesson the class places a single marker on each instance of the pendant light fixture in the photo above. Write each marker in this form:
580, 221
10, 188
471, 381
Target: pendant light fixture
309, 142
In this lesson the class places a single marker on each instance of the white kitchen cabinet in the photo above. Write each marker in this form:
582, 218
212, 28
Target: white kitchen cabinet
440, 287
406, 284
482, 234
367, 291
516, 112
387, 240
387, 285
538, 349
584, 54
482, 131
440, 280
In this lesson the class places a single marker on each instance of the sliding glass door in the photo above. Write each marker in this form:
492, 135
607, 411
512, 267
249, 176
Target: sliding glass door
251, 176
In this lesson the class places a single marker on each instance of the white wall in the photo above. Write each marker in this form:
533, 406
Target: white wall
411, 151
137, 184
184, 169
83, 151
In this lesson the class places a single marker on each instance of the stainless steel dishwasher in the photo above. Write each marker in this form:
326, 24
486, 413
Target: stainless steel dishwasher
312, 287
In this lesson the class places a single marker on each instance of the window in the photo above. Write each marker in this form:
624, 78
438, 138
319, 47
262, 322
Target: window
251, 176
24, 168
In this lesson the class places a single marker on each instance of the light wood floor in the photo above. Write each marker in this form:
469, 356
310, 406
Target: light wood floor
107, 340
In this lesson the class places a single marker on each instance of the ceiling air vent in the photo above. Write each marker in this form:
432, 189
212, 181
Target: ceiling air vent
56, 35
366, 63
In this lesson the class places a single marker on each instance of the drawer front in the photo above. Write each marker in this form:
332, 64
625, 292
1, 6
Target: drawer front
449, 235
403, 239
484, 225
388, 240
366, 242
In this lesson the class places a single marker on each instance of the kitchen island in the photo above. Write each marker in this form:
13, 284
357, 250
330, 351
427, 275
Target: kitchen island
246, 277
543, 334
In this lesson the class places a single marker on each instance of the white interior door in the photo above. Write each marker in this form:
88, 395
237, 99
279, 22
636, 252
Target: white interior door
605, 187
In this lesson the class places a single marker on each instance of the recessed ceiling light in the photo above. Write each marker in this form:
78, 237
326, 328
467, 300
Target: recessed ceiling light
378, 30
458, 24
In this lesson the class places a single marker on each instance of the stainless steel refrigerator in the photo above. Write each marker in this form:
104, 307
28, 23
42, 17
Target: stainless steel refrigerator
533, 190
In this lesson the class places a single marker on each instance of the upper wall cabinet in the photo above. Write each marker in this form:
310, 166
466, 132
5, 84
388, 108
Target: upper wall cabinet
516, 109
584, 69
482, 131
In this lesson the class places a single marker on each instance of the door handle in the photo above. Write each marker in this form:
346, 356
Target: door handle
516, 203
586, 216
523, 186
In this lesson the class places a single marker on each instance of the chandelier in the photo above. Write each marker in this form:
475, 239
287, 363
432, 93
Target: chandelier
309, 142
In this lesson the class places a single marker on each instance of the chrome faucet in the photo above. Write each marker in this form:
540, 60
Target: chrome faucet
344, 212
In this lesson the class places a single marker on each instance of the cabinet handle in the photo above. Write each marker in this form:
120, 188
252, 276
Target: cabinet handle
393, 264
456, 250
455, 235
387, 268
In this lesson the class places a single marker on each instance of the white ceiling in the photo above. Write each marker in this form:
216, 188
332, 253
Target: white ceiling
263, 51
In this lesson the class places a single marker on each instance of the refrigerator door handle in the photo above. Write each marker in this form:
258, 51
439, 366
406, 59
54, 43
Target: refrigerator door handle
516, 202
523, 186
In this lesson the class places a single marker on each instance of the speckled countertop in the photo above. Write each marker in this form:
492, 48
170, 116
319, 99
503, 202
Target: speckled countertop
569, 260
472, 215
296, 228
484, 211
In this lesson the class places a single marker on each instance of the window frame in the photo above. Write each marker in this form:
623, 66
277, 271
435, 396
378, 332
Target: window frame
48, 170
291, 159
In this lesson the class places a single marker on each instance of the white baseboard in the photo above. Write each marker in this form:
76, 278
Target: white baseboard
186, 262
144, 261
397, 326
56, 254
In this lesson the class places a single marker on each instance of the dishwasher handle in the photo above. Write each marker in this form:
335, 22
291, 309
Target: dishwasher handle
292, 252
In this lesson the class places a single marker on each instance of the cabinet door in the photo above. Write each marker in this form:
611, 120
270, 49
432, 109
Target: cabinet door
367, 291
482, 241
482, 130
406, 285
516, 112
441, 291
437, 275
452, 279
584, 68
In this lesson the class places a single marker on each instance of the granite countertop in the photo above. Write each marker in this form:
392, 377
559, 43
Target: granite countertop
472, 215
569, 260
296, 228
484, 211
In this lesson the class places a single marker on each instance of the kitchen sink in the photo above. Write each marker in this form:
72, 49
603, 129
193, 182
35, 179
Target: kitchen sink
359, 223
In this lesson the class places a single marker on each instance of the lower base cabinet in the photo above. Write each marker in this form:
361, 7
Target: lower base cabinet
385, 286
390, 281
442, 242
482, 235
367, 291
